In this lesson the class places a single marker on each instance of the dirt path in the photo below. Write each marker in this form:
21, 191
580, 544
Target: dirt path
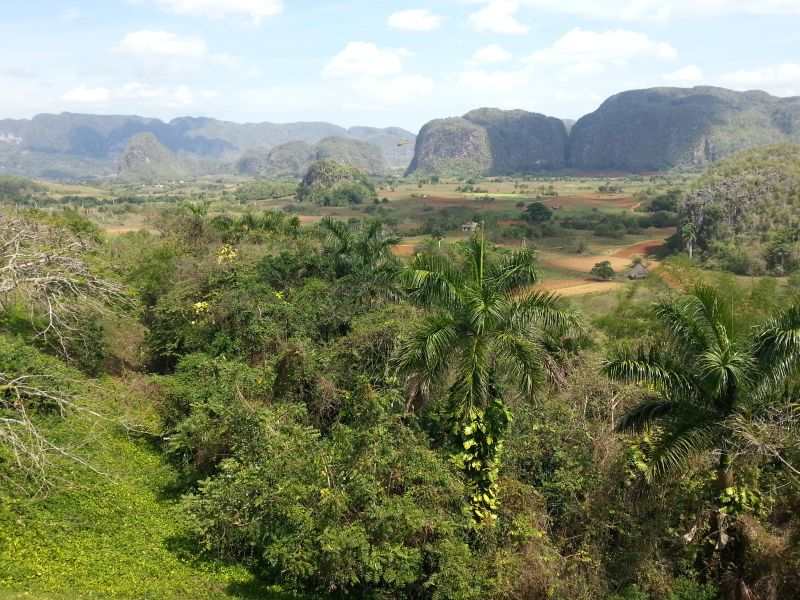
580, 264
645, 248
404, 250
577, 287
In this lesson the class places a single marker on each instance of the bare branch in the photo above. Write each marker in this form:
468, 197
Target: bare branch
45, 268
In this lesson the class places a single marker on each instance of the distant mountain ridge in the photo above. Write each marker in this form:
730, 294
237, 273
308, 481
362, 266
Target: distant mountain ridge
70, 145
635, 131
662, 128
293, 159
489, 141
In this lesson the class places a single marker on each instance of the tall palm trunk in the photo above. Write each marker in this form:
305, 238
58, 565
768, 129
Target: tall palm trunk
729, 540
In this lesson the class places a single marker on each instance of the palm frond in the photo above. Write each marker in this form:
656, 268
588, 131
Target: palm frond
679, 445
513, 271
432, 280
779, 338
681, 319
776, 347
336, 232
471, 388
542, 309
649, 366
644, 415
522, 359
725, 371
483, 307
717, 312
474, 251
427, 351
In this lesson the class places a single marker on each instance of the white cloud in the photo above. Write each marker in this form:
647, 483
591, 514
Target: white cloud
782, 79
365, 59
685, 75
174, 97
87, 95
255, 10
496, 81
374, 78
162, 43
491, 54
498, 16
172, 54
392, 91
415, 20
586, 52
660, 10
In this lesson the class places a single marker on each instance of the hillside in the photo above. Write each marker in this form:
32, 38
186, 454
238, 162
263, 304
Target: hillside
642, 130
274, 404
397, 145
292, 160
146, 159
744, 213
74, 146
361, 155
489, 141
288, 160
330, 183
662, 128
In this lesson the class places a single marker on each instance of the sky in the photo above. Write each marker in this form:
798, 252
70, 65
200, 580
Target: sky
381, 63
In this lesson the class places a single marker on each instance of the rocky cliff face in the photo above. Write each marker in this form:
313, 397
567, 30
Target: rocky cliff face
491, 142
663, 128
635, 131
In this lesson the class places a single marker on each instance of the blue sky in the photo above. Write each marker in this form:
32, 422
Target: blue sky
382, 63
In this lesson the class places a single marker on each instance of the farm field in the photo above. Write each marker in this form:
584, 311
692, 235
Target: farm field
415, 209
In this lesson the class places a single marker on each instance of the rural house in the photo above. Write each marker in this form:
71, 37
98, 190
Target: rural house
639, 271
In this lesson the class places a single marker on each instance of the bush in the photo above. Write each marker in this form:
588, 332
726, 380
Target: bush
603, 271
208, 411
366, 512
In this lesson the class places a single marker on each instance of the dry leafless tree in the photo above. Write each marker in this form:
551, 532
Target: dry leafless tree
44, 269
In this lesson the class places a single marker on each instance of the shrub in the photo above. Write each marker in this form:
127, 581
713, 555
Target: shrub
365, 512
603, 270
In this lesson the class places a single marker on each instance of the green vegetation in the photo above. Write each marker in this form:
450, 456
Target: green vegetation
146, 159
603, 271
486, 333
715, 380
212, 390
743, 213
329, 183
18, 189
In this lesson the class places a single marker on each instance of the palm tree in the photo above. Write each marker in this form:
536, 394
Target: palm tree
689, 233
486, 330
705, 377
362, 258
